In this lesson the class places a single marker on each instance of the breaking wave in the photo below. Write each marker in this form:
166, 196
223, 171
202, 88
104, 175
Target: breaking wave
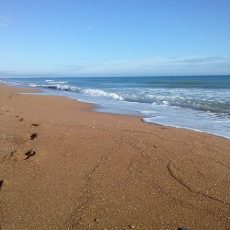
101, 93
88, 91
179, 98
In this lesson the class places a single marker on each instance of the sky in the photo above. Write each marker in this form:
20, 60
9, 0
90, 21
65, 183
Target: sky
115, 37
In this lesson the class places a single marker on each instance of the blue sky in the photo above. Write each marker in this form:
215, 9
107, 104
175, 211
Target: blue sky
115, 37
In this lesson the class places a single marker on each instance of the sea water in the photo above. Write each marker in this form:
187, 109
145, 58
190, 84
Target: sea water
194, 102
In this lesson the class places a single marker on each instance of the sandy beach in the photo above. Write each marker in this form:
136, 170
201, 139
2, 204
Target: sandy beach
64, 166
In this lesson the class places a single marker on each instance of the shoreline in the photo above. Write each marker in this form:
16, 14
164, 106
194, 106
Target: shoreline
96, 108
66, 166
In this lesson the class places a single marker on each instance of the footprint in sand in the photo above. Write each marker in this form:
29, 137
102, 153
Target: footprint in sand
30, 153
35, 125
32, 136
1, 183
21, 119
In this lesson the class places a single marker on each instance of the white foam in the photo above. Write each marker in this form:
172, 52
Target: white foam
58, 82
197, 122
62, 87
101, 93
165, 102
33, 85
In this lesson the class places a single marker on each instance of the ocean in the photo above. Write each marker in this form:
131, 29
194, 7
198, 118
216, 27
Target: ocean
199, 103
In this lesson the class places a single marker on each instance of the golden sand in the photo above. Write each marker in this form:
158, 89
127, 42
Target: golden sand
63, 166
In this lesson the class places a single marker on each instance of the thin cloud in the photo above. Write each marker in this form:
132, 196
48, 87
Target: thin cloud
149, 66
198, 60
155, 66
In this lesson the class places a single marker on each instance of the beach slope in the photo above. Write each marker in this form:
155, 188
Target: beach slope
64, 166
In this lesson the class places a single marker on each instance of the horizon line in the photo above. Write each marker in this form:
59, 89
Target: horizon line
53, 75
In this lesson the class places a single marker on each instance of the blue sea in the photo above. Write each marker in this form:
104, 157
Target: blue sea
199, 103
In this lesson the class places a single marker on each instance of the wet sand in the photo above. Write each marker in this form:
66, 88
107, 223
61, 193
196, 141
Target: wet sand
64, 166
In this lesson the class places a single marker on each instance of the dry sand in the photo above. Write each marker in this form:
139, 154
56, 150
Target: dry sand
63, 166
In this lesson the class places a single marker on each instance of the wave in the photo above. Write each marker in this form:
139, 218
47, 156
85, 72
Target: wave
56, 86
62, 87
195, 102
58, 82
179, 98
101, 93
32, 85
182, 99
91, 92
